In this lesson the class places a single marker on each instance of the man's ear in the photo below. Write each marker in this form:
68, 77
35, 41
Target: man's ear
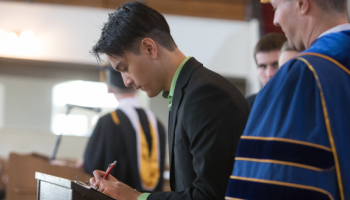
149, 47
303, 6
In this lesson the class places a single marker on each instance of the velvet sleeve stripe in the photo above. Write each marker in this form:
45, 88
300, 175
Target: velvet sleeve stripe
287, 140
272, 190
282, 152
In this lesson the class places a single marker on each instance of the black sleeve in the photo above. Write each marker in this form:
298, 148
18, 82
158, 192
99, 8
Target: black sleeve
93, 158
251, 99
162, 142
213, 124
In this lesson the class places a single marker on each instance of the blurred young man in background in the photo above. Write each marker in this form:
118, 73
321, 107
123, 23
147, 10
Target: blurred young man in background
266, 55
131, 135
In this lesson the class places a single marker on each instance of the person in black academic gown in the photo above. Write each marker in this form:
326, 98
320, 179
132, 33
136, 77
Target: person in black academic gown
132, 136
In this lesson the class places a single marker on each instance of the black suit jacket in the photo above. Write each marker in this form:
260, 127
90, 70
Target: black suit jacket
250, 99
206, 121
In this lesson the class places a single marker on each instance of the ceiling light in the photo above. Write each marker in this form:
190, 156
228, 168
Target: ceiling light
26, 36
12, 38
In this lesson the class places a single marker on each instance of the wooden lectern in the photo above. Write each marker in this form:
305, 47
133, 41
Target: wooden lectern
21, 172
56, 188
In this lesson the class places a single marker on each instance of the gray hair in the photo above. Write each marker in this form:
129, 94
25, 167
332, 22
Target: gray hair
339, 6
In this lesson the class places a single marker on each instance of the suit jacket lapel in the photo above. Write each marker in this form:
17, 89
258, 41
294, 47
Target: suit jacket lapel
181, 84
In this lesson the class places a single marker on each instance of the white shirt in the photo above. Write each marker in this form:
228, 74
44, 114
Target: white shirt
339, 28
128, 106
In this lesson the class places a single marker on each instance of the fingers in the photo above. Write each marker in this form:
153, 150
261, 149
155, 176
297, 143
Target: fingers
93, 182
107, 192
111, 178
109, 188
118, 190
98, 174
102, 186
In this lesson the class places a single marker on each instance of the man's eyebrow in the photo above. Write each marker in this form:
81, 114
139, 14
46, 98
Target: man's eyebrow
270, 63
117, 66
275, 63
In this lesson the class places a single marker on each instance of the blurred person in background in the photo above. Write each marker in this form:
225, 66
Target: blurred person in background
131, 135
287, 53
266, 55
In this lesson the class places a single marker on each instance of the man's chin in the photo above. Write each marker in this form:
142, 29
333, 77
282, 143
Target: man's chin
151, 94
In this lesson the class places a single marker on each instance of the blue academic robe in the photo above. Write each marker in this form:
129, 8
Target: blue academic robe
296, 144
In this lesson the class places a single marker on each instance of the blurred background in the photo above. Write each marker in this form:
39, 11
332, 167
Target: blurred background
45, 63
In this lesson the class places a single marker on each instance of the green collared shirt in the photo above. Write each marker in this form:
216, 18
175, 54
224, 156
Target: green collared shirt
143, 196
169, 95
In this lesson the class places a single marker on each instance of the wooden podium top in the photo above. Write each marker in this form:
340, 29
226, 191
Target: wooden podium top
21, 170
56, 188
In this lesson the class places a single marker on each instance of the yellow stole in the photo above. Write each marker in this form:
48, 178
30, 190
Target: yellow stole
149, 164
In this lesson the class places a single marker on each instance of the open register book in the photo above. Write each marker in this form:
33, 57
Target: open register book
56, 188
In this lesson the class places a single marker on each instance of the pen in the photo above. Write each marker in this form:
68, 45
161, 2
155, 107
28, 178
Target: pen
110, 167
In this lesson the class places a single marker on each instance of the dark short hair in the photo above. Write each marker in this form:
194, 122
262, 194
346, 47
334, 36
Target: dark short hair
129, 24
332, 5
270, 42
339, 6
286, 47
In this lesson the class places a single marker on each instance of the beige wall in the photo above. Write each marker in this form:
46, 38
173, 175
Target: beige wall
66, 35
27, 117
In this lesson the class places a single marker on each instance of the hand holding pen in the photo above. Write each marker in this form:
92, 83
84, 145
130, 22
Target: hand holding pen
112, 187
97, 174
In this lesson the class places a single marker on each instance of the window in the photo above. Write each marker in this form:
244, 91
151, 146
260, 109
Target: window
80, 121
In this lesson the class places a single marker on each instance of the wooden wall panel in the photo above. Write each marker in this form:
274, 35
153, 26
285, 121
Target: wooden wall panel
234, 11
220, 9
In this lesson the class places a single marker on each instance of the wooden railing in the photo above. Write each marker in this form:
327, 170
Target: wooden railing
220, 9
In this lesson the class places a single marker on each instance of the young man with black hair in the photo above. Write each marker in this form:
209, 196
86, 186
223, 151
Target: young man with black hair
207, 113
266, 53
296, 142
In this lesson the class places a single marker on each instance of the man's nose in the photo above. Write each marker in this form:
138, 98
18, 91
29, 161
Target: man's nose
127, 80
270, 71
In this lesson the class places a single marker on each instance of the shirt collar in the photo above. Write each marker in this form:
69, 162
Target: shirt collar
129, 101
339, 28
169, 95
